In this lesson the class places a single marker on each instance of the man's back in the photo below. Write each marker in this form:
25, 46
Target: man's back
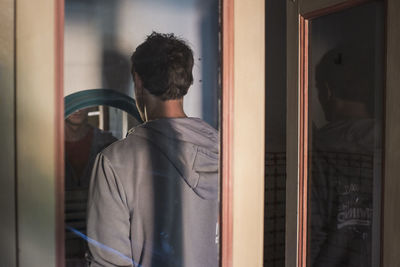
156, 196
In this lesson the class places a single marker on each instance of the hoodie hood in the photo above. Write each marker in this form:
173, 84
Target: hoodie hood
192, 147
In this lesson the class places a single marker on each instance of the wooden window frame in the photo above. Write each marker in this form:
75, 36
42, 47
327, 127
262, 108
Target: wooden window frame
226, 189
59, 129
299, 14
304, 31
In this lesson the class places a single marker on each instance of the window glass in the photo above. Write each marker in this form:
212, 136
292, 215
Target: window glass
154, 199
345, 137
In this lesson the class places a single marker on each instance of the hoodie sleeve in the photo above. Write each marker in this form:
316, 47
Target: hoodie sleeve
319, 213
108, 222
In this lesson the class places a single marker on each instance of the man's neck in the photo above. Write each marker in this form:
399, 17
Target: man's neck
157, 109
75, 132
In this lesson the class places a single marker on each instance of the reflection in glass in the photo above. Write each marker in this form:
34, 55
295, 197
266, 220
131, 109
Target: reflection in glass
345, 139
87, 132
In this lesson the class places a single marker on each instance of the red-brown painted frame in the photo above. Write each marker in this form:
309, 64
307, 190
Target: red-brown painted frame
303, 146
227, 133
304, 30
59, 131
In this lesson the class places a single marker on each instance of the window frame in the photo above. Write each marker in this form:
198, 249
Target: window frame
298, 15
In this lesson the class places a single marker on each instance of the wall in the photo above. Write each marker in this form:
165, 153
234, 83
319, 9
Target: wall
100, 37
36, 137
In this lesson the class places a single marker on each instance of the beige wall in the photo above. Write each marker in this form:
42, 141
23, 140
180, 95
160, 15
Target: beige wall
248, 133
35, 114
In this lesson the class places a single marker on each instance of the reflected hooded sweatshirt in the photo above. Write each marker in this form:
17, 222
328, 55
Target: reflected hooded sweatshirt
344, 163
153, 198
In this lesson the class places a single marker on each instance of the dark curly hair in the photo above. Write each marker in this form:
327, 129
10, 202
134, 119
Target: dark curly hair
164, 64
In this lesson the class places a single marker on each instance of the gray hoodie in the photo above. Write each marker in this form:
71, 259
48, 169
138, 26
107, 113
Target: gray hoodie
153, 198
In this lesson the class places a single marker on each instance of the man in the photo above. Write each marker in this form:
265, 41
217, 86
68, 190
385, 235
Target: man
343, 163
82, 143
153, 197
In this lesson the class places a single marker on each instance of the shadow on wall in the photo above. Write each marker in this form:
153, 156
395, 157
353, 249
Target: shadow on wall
116, 69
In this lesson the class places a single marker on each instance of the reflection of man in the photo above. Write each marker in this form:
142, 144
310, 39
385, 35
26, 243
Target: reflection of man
342, 169
82, 143
153, 196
